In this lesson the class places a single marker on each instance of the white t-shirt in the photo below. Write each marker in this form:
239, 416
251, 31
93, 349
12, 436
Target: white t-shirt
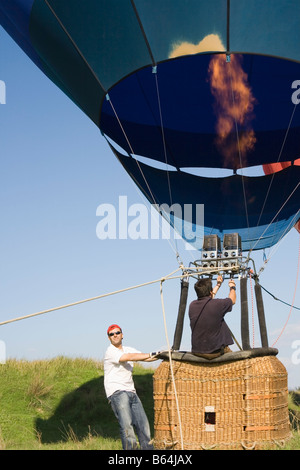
118, 375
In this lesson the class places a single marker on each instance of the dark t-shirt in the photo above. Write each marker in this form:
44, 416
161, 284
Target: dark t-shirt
211, 332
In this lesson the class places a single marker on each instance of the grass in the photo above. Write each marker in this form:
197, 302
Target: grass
294, 411
60, 404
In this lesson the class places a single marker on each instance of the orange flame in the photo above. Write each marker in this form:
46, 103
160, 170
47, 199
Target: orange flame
234, 104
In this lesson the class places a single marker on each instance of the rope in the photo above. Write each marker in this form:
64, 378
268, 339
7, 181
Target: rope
132, 151
295, 189
276, 247
143, 31
101, 85
74, 44
271, 182
252, 310
153, 220
236, 341
171, 363
278, 159
239, 150
163, 136
164, 144
290, 312
154, 71
155, 203
168, 277
279, 300
64, 29
86, 300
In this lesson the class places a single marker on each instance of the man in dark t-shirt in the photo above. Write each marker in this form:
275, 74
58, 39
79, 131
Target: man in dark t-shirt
210, 333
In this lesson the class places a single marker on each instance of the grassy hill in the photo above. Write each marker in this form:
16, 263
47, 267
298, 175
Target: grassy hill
60, 404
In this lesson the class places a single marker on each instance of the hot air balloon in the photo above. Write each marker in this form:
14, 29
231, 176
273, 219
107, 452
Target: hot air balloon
189, 95
152, 78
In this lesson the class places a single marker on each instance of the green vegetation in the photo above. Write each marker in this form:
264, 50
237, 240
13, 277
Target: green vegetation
60, 404
294, 411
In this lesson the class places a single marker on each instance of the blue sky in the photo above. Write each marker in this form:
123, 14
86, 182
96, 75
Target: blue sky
56, 169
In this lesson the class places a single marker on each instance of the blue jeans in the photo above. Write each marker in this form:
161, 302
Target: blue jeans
130, 413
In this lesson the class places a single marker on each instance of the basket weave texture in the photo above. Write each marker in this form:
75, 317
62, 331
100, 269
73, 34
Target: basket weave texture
236, 405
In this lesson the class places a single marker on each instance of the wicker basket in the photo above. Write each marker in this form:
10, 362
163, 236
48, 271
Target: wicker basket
235, 405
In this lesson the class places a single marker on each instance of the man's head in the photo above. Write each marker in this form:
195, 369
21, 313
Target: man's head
115, 335
203, 287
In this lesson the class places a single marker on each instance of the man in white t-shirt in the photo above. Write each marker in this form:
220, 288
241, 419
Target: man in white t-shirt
121, 393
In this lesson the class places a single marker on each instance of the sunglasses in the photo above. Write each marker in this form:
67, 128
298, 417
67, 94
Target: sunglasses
115, 333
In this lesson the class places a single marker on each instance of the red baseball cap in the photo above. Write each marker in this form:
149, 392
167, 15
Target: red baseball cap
112, 327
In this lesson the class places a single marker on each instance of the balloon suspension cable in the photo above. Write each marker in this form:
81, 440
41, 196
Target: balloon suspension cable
270, 184
292, 305
63, 27
279, 300
164, 143
162, 133
275, 248
155, 221
239, 147
74, 44
276, 215
154, 202
252, 310
278, 159
171, 364
131, 149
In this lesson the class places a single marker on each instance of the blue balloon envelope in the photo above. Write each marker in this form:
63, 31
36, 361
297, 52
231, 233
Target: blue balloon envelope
182, 90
